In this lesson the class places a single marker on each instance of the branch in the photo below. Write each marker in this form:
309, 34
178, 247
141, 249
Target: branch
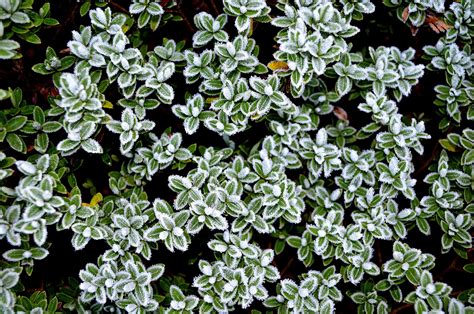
118, 7
285, 269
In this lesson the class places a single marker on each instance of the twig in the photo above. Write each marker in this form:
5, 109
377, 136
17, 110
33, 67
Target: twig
214, 7
69, 19
118, 7
287, 266
189, 25
401, 308
450, 267
379, 253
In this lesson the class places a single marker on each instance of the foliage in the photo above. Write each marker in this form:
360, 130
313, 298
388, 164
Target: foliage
218, 161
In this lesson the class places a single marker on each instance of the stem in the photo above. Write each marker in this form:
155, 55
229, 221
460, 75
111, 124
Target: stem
287, 267
379, 253
214, 7
189, 25
118, 7
402, 308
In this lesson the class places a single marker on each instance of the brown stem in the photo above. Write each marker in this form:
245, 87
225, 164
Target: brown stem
379, 253
450, 267
285, 269
189, 25
214, 7
401, 308
69, 20
181, 12
118, 7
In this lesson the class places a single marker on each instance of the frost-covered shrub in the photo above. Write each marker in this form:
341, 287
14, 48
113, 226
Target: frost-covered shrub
266, 159
18, 20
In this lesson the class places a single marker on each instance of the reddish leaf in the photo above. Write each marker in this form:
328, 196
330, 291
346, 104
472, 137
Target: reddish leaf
436, 24
65, 50
341, 114
405, 15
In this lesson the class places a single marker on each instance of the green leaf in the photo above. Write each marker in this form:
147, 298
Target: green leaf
469, 268
446, 242
446, 144
143, 19
294, 241
39, 253
423, 225
413, 275
8, 48
176, 293
67, 62
468, 157
461, 252
85, 8
38, 115
53, 305
42, 142
7, 54
15, 123
396, 293
51, 126
40, 69
20, 18
32, 38
358, 297
383, 285
279, 246
156, 271
14, 255
16, 143
343, 85
50, 21
45, 9
91, 146
4, 94
371, 127
67, 145
177, 183
17, 97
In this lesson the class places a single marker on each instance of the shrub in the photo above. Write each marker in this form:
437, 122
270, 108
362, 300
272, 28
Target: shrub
288, 156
